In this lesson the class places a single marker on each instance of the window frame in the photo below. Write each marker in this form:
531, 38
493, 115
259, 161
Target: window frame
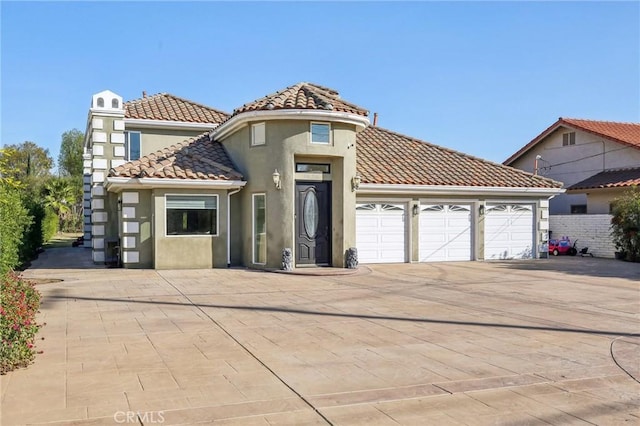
254, 259
300, 165
570, 139
254, 128
166, 216
127, 145
321, 123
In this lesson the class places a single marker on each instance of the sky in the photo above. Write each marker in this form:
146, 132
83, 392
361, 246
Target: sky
483, 78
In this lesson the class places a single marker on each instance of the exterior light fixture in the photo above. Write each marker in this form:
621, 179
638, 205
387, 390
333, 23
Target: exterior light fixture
481, 210
276, 179
355, 182
415, 210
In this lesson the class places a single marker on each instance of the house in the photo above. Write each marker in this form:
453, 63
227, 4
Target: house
596, 161
171, 183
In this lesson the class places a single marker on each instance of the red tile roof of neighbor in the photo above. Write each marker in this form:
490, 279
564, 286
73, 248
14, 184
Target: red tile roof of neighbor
196, 158
164, 106
387, 157
303, 96
616, 178
624, 133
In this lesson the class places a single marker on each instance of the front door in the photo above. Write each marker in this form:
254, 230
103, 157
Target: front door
313, 223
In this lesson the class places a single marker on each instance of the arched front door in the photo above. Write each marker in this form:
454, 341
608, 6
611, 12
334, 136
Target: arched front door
313, 223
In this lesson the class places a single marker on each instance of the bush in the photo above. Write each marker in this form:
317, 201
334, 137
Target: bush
32, 239
49, 224
625, 224
19, 305
14, 221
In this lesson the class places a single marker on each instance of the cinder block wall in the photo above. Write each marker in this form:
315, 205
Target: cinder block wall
592, 230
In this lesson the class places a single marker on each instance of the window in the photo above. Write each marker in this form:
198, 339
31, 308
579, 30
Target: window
100, 102
192, 214
258, 134
114, 103
320, 133
132, 145
578, 209
568, 139
259, 229
312, 167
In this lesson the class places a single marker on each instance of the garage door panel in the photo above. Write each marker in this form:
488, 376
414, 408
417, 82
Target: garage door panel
509, 231
380, 233
445, 233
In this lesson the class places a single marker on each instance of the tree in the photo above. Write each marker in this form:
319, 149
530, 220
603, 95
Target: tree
27, 163
625, 224
71, 149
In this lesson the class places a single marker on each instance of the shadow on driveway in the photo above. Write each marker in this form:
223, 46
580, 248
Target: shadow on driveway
576, 265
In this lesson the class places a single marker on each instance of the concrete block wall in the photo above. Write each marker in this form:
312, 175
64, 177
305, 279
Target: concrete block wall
591, 230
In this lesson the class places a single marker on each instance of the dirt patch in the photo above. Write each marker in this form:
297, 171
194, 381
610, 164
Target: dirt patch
39, 281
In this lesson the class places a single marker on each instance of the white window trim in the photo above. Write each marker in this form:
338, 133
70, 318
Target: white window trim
253, 225
254, 128
217, 234
311, 133
127, 153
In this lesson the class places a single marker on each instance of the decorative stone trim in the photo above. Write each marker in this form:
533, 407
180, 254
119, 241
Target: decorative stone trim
100, 163
97, 190
130, 227
98, 256
99, 217
543, 225
86, 164
128, 212
86, 178
97, 204
118, 124
131, 257
97, 150
98, 137
97, 229
544, 203
97, 123
116, 163
118, 151
98, 243
97, 177
117, 137
130, 198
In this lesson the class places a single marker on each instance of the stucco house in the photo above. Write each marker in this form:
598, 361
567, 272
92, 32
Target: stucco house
171, 183
596, 161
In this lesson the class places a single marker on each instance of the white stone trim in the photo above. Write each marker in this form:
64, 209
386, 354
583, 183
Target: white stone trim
97, 190
130, 198
97, 229
97, 123
115, 183
118, 151
118, 125
140, 122
98, 256
98, 137
98, 149
130, 227
99, 217
97, 177
99, 163
97, 204
98, 243
117, 163
383, 188
117, 137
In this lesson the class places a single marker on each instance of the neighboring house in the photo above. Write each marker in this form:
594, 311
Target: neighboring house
596, 161
174, 184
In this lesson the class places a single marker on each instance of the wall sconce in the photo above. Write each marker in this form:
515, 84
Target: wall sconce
355, 182
276, 179
481, 210
415, 209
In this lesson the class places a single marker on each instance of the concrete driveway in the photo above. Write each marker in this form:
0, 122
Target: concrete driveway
537, 342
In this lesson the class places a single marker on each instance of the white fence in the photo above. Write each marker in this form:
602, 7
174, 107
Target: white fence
591, 230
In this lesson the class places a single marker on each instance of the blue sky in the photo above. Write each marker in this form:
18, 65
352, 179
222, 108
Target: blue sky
482, 77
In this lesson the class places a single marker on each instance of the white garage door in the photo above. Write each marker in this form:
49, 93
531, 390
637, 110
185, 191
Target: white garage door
509, 231
380, 233
445, 232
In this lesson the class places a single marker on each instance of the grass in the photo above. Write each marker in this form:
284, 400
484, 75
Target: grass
62, 239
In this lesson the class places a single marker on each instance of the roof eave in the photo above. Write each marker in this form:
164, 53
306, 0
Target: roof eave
117, 184
168, 124
238, 121
385, 188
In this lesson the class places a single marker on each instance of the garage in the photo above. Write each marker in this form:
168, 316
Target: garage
445, 232
380, 233
509, 231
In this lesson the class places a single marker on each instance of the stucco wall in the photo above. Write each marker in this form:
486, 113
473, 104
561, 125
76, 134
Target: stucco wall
572, 164
286, 143
598, 200
152, 140
184, 251
591, 230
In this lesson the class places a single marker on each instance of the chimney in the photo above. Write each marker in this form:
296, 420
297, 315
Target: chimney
375, 119
144, 94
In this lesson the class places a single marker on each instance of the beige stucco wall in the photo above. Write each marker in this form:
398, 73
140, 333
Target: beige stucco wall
189, 252
153, 139
286, 143
598, 200
571, 164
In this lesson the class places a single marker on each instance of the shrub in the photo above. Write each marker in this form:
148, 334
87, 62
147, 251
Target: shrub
49, 224
32, 239
625, 224
19, 303
14, 221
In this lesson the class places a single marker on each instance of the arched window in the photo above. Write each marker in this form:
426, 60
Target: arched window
114, 103
100, 103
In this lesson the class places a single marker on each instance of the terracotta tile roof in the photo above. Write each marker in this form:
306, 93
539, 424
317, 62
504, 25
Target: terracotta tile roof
387, 157
164, 106
616, 178
303, 96
624, 133
196, 158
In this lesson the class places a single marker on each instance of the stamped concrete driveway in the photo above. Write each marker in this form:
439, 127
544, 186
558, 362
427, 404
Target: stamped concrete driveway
538, 342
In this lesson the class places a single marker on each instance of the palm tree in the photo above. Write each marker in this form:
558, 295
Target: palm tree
59, 196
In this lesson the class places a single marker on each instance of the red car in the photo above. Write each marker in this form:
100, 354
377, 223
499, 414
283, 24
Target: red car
563, 246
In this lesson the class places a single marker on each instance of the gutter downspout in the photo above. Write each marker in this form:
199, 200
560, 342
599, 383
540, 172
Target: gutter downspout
229, 194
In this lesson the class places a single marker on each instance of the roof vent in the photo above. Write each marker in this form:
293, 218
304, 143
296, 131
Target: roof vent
328, 106
270, 105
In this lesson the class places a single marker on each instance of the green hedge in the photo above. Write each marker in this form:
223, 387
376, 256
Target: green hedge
19, 304
14, 221
49, 224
